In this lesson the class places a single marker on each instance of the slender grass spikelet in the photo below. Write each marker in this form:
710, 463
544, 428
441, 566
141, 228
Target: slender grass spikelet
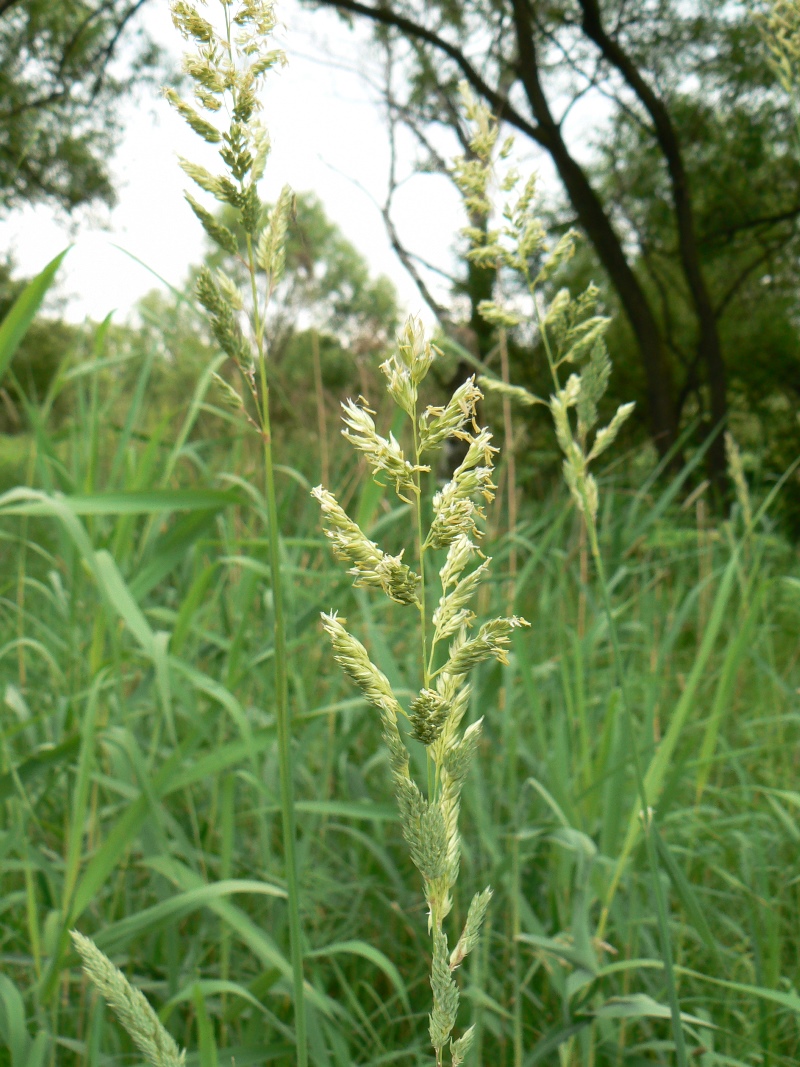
736, 471
129, 1005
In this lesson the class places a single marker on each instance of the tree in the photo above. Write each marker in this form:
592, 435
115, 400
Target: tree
647, 66
61, 77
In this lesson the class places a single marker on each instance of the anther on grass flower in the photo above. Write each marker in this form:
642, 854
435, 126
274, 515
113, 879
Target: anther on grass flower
429, 823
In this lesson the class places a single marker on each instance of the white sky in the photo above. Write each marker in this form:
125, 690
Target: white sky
328, 136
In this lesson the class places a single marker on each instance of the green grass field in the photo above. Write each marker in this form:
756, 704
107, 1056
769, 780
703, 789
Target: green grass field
140, 799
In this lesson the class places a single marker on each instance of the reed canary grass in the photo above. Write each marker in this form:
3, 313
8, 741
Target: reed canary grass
227, 66
571, 332
429, 820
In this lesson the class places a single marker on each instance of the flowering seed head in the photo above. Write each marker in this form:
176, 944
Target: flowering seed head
455, 509
429, 713
371, 567
492, 641
472, 928
438, 424
382, 453
130, 1006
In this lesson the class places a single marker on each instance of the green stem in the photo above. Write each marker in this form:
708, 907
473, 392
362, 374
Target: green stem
282, 711
426, 675
516, 928
648, 819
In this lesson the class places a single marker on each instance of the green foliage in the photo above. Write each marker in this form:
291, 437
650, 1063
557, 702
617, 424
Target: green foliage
61, 80
35, 344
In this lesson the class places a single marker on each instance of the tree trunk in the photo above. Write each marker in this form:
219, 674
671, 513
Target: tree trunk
709, 348
596, 223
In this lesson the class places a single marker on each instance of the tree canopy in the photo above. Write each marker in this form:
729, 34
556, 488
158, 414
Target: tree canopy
674, 146
62, 75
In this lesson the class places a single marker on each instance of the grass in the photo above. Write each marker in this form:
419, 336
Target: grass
140, 772
148, 771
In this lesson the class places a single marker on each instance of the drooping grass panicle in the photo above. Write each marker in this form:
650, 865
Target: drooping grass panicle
130, 1006
429, 823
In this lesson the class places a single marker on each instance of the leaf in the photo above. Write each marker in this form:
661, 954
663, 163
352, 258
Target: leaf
205, 1031
23, 311
641, 1006
171, 549
12, 1022
115, 937
687, 895
151, 502
46, 757
790, 1000
654, 775
259, 943
560, 949
374, 955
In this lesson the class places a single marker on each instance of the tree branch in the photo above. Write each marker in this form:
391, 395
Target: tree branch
108, 52
789, 215
500, 104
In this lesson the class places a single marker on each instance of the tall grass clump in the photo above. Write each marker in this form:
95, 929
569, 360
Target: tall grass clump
571, 332
227, 68
448, 650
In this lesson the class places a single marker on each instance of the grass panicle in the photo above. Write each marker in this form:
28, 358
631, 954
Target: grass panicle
429, 822
227, 69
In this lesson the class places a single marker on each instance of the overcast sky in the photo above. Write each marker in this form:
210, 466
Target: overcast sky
328, 136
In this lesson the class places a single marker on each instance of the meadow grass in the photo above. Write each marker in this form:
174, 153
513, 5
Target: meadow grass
145, 746
140, 780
